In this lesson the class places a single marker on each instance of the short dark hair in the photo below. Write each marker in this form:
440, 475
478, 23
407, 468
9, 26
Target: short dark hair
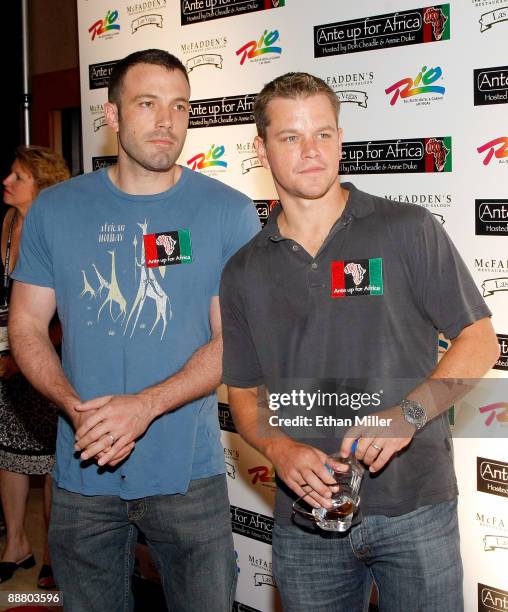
291, 85
156, 57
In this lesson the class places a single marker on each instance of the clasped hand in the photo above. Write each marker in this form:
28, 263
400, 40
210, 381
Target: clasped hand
107, 427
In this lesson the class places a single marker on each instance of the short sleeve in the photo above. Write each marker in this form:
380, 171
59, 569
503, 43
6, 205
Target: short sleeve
446, 289
35, 265
240, 364
238, 229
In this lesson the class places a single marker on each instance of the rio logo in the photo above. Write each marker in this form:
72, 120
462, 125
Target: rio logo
206, 160
422, 84
264, 45
497, 147
496, 412
262, 473
104, 25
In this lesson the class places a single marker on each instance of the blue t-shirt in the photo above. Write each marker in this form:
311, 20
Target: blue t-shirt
134, 277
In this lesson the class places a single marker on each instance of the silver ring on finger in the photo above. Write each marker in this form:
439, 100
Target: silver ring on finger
376, 446
112, 437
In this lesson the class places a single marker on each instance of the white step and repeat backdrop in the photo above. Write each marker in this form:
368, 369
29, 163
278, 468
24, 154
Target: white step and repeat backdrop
424, 97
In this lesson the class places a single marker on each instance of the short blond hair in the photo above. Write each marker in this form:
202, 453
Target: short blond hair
45, 165
292, 85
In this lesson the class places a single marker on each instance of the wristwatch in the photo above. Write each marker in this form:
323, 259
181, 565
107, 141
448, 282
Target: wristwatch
414, 413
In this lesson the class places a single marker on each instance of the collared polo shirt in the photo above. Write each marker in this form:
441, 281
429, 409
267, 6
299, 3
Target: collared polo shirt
364, 313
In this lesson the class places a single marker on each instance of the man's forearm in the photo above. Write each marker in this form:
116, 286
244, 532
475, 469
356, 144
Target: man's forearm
470, 357
199, 377
37, 359
251, 415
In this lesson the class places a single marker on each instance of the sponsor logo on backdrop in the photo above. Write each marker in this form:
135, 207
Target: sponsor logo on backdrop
429, 200
98, 74
424, 25
225, 419
502, 362
498, 148
212, 162
240, 607
492, 477
494, 285
420, 90
105, 28
397, 156
262, 51
252, 524
491, 217
247, 153
263, 571
491, 521
496, 412
144, 15
193, 11
263, 475
492, 542
231, 455
349, 87
98, 117
492, 266
146, 20
145, 6
264, 208
492, 18
204, 52
231, 110
103, 162
490, 85
491, 599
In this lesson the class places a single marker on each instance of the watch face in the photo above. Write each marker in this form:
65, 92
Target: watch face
414, 413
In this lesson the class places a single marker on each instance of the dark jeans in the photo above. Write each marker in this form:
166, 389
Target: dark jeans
414, 560
92, 540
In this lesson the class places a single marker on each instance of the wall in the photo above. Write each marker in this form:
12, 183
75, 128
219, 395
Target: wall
424, 95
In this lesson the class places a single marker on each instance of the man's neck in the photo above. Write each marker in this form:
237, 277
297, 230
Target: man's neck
309, 222
139, 181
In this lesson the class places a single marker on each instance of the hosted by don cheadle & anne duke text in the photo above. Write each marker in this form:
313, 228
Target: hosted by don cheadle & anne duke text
307, 401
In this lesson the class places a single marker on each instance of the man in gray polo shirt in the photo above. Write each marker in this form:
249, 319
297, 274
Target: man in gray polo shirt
345, 290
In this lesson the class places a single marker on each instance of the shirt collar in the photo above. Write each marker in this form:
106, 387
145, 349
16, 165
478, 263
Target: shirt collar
359, 204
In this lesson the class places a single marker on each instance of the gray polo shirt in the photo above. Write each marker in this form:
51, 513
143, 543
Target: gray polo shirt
363, 315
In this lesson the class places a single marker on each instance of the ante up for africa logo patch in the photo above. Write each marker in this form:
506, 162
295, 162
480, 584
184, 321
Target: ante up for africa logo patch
357, 277
168, 248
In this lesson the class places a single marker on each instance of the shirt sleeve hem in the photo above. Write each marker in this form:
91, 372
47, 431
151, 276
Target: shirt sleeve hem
29, 280
467, 318
242, 384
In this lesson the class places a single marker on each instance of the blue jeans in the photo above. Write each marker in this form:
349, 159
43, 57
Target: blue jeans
92, 540
414, 559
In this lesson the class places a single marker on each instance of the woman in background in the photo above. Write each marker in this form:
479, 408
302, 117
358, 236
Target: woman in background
27, 419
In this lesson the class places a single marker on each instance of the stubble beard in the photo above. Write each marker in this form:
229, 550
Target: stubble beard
158, 161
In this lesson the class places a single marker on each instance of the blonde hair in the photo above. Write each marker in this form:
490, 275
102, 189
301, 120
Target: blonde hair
45, 165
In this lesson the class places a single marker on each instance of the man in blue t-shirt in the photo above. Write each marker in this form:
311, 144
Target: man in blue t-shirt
131, 256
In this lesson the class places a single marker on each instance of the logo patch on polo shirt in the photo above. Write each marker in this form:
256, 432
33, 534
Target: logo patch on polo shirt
357, 277
168, 248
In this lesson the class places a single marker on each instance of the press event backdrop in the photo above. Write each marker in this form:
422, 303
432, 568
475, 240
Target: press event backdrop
424, 97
